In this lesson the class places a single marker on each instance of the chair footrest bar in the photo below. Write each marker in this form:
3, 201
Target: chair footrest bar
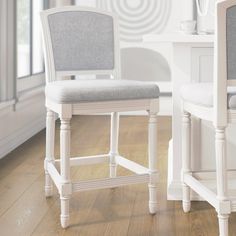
54, 175
201, 189
110, 182
131, 165
88, 160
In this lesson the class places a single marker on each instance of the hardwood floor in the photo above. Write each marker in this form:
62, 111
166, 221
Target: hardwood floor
112, 212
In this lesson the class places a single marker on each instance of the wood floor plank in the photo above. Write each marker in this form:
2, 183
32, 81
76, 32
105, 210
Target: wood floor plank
23, 216
111, 212
13, 185
21, 154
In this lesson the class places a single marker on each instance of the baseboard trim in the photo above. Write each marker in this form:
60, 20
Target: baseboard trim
12, 141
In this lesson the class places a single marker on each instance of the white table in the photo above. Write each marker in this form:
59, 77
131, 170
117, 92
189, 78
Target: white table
190, 59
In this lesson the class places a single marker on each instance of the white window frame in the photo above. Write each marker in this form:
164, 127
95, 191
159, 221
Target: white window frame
7, 53
33, 80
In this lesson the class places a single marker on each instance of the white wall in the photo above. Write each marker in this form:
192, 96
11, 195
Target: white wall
20, 122
176, 11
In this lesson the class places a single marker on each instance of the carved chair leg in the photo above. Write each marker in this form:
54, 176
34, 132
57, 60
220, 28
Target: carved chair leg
186, 158
65, 171
114, 143
50, 139
152, 153
221, 175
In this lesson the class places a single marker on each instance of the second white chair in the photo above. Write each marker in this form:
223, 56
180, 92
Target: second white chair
215, 102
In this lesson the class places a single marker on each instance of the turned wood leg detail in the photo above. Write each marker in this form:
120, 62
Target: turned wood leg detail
221, 175
186, 159
65, 171
152, 154
114, 143
223, 224
50, 139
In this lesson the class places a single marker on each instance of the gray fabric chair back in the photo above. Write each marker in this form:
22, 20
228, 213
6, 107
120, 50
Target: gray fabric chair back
82, 41
231, 43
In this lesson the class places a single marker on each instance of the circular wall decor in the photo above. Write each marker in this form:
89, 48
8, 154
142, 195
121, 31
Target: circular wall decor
139, 17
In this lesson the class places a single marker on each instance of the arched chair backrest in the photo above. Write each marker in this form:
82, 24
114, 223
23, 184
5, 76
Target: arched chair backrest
80, 41
225, 58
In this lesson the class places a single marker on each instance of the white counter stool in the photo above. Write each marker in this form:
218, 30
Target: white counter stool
82, 41
214, 102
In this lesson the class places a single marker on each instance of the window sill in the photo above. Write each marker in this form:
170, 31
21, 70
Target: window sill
27, 94
29, 83
23, 96
7, 104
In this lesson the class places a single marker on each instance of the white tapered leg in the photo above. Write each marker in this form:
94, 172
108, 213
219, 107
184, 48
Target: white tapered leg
221, 175
114, 143
186, 159
65, 171
50, 137
65, 209
223, 224
152, 153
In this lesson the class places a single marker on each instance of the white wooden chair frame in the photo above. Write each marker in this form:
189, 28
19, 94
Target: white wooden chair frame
221, 116
65, 111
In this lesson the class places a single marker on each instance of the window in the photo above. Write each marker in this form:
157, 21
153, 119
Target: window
29, 42
7, 51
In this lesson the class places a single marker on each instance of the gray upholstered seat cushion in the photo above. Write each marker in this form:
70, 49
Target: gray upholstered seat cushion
78, 91
202, 94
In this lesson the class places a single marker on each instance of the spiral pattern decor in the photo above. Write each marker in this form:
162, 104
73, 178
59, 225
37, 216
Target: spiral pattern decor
138, 17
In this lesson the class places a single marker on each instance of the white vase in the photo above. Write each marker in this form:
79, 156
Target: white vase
188, 9
202, 7
206, 16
